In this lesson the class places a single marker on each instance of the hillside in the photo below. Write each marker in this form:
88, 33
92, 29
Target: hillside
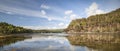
6, 28
49, 31
109, 22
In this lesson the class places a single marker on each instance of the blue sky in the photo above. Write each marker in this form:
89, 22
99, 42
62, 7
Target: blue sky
51, 14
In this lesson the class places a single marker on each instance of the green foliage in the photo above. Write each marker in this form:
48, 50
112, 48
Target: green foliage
6, 28
8, 39
49, 31
109, 22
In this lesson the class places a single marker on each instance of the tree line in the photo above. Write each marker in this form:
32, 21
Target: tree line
6, 28
109, 22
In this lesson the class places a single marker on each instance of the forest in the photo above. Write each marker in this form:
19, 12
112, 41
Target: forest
109, 22
6, 28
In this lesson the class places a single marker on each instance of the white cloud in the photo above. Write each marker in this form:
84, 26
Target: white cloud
9, 13
73, 16
28, 12
35, 27
93, 9
45, 6
65, 17
70, 15
38, 27
68, 12
45, 27
61, 24
43, 12
49, 19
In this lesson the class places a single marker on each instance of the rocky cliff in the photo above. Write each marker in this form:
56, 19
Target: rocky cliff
109, 22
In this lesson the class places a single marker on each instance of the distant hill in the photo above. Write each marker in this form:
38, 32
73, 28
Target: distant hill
6, 28
109, 22
49, 31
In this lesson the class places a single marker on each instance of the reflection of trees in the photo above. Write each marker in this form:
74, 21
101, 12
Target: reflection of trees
10, 39
106, 42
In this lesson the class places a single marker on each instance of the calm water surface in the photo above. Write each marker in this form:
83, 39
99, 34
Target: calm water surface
65, 42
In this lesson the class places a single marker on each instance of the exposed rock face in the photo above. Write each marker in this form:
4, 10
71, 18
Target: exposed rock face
109, 22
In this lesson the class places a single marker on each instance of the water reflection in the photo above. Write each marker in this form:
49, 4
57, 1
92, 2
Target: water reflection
97, 42
41, 43
65, 42
10, 39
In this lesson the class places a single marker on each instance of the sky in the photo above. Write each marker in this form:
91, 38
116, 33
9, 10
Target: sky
51, 14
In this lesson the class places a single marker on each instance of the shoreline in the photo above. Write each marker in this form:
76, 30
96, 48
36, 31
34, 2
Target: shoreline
90, 32
14, 36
